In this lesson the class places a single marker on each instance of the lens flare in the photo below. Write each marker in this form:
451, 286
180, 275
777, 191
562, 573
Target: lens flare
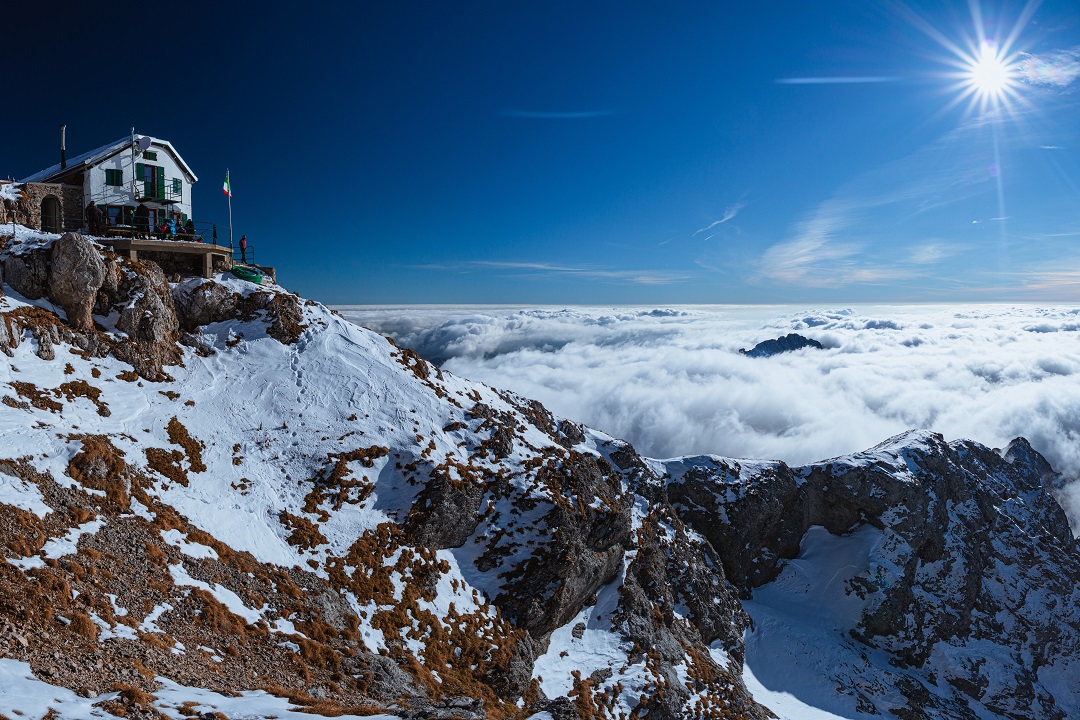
990, 75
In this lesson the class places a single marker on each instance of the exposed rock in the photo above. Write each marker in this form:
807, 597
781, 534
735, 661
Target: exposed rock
201, 302
445, 513
76, 275
386, 682
674, 569
955, 567
458, 708
787, 343
753, 518
150, 323
287, 325
28, 274
108, 294
584, 548
571, 432
282, 309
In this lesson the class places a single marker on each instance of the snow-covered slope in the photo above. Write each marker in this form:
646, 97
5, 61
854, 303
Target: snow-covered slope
221, 488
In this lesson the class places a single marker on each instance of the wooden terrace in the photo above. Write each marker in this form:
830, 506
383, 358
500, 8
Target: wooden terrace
196, 257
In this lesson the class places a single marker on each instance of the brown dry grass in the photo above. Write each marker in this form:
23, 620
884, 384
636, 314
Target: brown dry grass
305, 534
178, 435
167, 462
81, 624
37, 397
81, 388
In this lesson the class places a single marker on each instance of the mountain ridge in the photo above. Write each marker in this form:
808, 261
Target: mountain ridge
297, 504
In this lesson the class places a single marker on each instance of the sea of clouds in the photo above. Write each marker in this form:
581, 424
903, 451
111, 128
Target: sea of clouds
672, 382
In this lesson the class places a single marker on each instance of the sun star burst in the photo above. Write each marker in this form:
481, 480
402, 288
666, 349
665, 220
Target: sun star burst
990, 77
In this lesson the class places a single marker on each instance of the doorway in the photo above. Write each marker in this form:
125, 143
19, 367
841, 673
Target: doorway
50, 214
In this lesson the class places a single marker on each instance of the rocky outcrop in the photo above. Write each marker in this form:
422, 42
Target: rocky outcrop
201, 302
150, 323
787, 343
286, 317
28, 274
76, 275
587, 529
674, 604
752, 515
956, 567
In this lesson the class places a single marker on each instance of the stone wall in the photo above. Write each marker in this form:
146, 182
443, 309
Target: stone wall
27, 209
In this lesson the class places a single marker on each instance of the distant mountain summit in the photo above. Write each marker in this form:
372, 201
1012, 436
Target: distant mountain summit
217, 497
787, 343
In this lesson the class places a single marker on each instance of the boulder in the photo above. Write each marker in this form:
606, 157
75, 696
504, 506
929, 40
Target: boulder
150, 323
76, 275
201, 302
27, 274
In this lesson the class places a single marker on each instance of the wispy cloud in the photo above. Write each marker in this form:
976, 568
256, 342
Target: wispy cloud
729, 214
637, 277
851, 237
1057, 68
836, 80
556, 115
1051, 147
931, 253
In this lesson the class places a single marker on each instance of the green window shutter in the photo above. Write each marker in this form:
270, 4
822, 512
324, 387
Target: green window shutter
177, 188
161, 183
140, 176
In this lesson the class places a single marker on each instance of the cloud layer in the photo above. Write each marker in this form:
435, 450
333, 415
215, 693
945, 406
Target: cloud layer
672, 382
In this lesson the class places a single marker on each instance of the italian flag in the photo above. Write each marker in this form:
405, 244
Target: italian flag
227, 188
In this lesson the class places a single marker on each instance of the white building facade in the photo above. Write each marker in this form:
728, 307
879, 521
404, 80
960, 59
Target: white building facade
122, 175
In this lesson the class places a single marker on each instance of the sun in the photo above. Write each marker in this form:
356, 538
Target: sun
990, 76
984, 65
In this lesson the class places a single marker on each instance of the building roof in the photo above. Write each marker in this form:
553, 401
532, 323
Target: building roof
104, 153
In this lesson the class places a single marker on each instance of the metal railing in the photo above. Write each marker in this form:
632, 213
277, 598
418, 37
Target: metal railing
129, 225
247, 258
172, 190
201, 231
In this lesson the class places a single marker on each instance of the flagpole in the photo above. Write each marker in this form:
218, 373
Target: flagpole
230, 213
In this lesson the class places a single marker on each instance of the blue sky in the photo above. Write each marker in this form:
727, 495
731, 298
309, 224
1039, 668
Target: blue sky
592, 152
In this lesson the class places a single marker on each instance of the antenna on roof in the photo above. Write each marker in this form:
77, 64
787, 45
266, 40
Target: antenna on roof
144, 142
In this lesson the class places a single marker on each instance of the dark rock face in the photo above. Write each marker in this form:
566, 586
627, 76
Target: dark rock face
445, 514
584, 549
976, 557
753, 516
150, 323
675, 573
76, 275
787, 343
282, 309
28, 274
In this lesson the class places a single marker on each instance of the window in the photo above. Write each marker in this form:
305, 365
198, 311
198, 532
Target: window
177, 186
149, 155
153, 180
118, 214
114, 177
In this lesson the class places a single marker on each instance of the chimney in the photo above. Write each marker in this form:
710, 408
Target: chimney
63, 147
